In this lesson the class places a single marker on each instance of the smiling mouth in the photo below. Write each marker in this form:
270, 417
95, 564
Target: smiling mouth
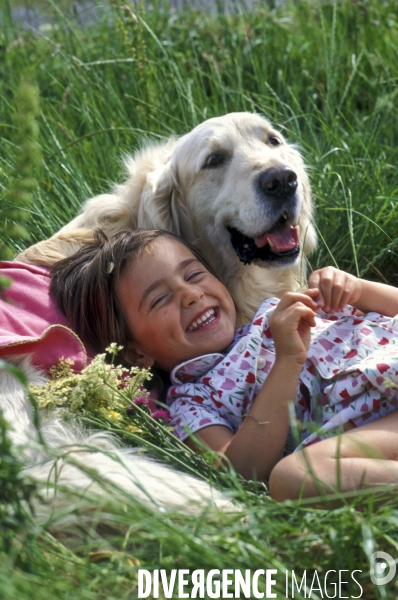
208, 317
278, 245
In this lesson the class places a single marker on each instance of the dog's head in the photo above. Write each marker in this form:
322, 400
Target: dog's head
235, 187
232, 186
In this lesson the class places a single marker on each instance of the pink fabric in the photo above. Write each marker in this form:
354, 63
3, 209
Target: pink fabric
31, 323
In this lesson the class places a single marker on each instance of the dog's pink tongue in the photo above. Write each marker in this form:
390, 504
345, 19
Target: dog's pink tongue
281, 241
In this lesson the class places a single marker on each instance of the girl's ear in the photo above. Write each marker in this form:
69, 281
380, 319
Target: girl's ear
136, 357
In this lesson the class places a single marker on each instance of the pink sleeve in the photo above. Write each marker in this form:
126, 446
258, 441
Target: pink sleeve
191, 413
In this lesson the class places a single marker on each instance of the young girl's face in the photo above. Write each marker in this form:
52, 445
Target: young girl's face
174, 308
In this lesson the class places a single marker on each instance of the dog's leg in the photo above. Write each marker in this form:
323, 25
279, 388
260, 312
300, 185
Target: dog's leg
78, 473
16, 407
91, 474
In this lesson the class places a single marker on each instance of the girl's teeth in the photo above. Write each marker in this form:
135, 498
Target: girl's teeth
202, 319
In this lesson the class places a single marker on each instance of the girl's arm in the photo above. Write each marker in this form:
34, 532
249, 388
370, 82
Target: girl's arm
258, 444
337, 288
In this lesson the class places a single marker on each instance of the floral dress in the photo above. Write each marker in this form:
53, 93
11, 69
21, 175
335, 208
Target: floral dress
350, 377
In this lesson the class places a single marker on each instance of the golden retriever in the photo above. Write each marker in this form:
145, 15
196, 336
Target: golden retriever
233, 186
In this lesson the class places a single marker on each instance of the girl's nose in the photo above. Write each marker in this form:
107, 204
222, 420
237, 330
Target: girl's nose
191, 295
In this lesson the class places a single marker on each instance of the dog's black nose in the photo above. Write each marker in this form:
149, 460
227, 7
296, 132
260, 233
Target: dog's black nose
278, 181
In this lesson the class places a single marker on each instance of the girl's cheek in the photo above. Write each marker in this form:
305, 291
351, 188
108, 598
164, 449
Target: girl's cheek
166, 316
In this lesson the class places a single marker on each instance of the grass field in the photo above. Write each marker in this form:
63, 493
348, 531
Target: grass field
327, 74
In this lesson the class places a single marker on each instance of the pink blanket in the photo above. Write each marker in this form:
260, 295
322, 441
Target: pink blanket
31, 323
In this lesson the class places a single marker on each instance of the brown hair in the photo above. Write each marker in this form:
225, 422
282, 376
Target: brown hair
83, 285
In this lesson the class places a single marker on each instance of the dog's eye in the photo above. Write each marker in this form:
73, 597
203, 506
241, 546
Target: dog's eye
274, 141
214, 160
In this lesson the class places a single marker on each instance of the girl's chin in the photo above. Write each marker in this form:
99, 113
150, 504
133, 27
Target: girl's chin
215, 345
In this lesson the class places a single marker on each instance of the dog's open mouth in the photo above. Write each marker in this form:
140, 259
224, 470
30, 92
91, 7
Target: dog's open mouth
278, 245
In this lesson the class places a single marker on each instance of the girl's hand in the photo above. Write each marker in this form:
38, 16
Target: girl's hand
336, 288
291, 324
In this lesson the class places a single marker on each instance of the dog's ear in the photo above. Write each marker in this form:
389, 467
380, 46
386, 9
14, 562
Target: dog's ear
307, 230
109, 212
163, 204
48, 252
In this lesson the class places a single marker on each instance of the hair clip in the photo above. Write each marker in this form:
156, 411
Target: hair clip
110, 267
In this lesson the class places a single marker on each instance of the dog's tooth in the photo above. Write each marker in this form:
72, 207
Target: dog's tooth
284, 215
271, 244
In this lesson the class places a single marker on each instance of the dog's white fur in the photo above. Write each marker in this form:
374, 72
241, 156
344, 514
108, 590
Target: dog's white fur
78, 473
167, 188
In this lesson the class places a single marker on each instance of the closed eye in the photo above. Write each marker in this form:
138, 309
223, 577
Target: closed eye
157, 301
194, 274
214, 160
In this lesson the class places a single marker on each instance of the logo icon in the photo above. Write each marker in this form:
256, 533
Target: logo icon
382, 568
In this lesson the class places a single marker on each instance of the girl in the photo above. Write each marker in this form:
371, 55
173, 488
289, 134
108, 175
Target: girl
152, 293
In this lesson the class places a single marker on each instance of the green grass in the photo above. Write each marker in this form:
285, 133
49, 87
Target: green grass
326, 73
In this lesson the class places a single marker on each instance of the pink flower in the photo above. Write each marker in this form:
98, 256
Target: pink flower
228, 384
141, 400
161, 415
365, 331
244, 365
326, 344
